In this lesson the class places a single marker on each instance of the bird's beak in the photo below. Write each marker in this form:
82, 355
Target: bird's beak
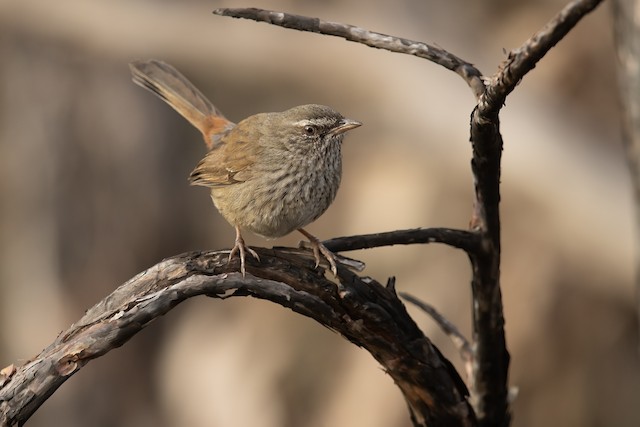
343, 126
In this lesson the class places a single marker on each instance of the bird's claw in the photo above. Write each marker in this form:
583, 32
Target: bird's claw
241, 248
318, 248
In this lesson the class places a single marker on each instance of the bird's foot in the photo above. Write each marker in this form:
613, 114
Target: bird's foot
241, 248
318, 248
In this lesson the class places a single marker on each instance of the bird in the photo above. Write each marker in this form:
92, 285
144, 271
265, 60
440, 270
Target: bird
271, 173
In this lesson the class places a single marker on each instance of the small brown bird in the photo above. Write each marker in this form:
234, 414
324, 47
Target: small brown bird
272, 173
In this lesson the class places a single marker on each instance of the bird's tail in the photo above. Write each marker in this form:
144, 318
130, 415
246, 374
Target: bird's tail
177, 91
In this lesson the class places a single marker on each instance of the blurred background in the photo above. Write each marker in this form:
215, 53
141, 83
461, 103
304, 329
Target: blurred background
93, 190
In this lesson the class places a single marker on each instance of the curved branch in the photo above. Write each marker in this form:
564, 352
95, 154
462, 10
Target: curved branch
362, 310
464, 69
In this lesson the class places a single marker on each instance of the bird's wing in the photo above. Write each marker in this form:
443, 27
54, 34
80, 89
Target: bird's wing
232, 160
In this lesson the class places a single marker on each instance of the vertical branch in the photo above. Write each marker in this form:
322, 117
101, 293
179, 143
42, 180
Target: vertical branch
490, 365
489, 386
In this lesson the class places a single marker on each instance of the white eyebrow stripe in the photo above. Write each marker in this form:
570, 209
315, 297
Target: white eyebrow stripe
321, 121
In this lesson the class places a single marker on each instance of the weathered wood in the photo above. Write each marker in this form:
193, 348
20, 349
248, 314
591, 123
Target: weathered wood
361, 309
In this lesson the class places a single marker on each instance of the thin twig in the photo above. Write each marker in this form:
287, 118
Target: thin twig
459, 340
461, 239
523, 59
464, 69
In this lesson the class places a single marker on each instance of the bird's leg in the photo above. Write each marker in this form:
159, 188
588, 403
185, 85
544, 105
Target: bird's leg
319, 248
242, 248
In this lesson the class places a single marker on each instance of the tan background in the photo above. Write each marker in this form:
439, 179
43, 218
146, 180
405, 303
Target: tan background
93, 190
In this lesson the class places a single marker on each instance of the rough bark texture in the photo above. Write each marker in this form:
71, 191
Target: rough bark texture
363, 311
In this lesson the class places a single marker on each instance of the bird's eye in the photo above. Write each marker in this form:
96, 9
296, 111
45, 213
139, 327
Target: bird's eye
310, 130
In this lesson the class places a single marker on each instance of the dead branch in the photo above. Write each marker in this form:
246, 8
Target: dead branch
461, 239
523, 59
489, 391
464, 69
363, 311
